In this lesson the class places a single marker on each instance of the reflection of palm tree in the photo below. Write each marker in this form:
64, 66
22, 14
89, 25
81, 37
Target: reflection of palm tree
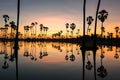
116, 56
6, 65
12, 55
102, 16
66, 56
89, 64
72, 56
89, 21
102, 72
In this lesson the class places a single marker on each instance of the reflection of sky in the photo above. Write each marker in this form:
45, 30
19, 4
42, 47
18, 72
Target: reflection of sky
55, 67
55, 13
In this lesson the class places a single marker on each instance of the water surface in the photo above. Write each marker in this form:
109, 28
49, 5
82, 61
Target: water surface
58, 61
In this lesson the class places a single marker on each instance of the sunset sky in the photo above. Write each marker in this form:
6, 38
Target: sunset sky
55, 13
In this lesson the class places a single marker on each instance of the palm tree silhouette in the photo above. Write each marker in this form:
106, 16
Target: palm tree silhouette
78, 31
89, 21
117, 30
102, 31
35, 28
72, 26
32, 28
41, 28
6, 18
46, 29
102, 16
67, 26
13, 26
98, 6
26, 33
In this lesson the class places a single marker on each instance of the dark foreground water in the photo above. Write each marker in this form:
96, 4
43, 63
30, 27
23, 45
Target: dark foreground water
58, 61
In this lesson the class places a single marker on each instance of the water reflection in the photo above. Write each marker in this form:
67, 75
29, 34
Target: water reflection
39, 59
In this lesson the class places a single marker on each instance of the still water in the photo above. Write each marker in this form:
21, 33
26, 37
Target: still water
58, 61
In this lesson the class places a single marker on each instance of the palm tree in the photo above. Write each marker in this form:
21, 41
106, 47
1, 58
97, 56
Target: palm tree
102, 31
103, 14
98, 6
32, 29
89, 21
13, 26
117, 30
6, 18
35, 28
67, 26
41, 28
84, 15
46, 29
78, 31
26, 33
72, 26
89, 31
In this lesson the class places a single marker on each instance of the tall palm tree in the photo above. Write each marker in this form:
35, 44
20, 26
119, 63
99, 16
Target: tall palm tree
102, 16
89, 21
117, 30
84, 15
67, 26
6, 18
72, 26
16, 40
98, 6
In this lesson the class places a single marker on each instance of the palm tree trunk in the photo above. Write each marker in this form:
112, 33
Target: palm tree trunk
84, 8
101, 30
84, 13
87, 29
96, 21
16, 40
96, 16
